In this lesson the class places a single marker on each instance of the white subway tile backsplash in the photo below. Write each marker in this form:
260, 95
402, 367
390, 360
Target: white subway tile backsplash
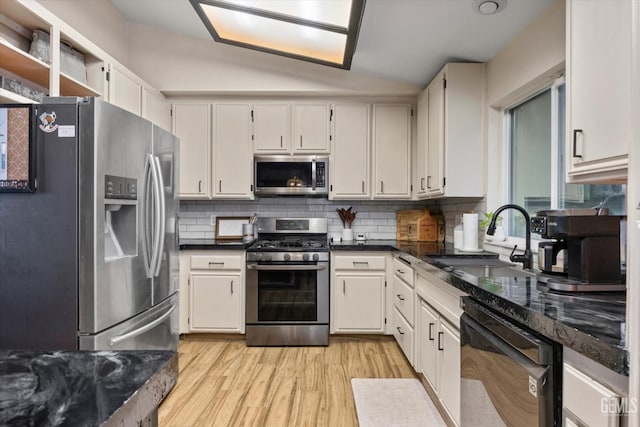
376, 218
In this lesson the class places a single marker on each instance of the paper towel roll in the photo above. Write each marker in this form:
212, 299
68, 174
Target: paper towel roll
470, 230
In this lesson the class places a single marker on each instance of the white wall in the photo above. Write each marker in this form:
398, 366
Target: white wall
97, 20
178, 64
530, 61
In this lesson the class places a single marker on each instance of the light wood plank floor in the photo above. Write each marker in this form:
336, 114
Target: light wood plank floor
222, 382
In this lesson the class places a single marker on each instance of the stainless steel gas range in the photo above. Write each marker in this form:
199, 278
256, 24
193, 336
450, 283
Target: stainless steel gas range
287, 301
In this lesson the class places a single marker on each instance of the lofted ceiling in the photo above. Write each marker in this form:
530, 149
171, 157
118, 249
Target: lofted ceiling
400, 40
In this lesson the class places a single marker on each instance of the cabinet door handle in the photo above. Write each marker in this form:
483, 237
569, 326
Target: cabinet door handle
575, 143
280, 141
220, 186
199, 186
400, 330
422, 183
362, 187
381, 187
400, 297
429, 181
440, 334
399, 271
232, 286
431, 331
344, 286
300, 141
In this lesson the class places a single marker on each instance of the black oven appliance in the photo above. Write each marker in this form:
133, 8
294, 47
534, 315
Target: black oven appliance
278, 175
510, 376
287, 301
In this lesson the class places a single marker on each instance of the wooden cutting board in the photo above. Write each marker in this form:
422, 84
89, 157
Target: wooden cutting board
427, 228
407, 224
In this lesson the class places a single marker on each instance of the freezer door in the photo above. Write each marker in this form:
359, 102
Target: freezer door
167, 271
113, 282
155, 329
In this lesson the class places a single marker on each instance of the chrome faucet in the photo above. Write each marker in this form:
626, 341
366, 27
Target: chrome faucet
527, 258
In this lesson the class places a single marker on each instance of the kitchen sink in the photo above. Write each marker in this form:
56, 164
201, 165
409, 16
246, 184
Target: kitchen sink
473, 262
492, 271
483, 267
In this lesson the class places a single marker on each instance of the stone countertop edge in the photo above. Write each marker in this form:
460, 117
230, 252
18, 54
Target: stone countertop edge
145, 401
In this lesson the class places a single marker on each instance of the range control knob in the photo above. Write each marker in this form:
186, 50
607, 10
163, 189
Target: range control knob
258, 257
287, 257
267, 257
305, 257
316, 257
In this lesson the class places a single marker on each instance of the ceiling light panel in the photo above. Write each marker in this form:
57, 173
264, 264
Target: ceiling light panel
277, 35
321, 31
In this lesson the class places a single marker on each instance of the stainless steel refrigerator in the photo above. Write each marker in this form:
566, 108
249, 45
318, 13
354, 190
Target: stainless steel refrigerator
89, 260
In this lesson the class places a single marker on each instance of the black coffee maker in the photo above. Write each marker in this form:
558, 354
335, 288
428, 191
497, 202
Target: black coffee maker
590, 241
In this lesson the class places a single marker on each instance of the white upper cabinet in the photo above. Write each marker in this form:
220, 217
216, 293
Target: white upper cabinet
449, 141
155, 108
232, 151
192, 124
422, 159
271, 126
351, 152
391, 151
599, 36
125, 91
311, 128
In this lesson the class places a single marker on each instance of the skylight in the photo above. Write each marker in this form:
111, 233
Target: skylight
320, 31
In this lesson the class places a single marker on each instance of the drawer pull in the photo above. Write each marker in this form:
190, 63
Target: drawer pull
400, 271
440, 334
399, 330
400, 297
214, 263
431, 331
363, 263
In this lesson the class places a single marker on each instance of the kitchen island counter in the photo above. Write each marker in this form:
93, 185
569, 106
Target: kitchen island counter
88, 388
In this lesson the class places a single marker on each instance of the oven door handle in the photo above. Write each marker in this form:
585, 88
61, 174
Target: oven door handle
287, 267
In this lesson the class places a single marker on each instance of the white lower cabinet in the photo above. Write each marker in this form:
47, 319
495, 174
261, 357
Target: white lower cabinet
586, 402
215, 292
358, 293
438, 340
403, 317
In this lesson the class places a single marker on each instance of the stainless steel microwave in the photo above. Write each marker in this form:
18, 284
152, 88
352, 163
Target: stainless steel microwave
277, 175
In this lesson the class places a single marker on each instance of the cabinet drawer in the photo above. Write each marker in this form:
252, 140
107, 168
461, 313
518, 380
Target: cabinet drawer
216, 262
365, 262
404, 271
584, 397
403, 299
403, 333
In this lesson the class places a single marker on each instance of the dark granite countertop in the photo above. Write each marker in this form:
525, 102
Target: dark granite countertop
212, 244
590, 323
83, 388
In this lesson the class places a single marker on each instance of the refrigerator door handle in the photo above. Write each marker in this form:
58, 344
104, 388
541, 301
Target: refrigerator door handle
157, 232
148, 185
162, 223
119, 338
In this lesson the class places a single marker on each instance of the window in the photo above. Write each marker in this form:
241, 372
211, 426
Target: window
536, 138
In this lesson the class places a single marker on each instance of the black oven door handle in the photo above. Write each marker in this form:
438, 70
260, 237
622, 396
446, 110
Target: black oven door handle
288, 267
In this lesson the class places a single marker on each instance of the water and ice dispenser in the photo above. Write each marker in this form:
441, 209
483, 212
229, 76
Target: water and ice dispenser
120, 217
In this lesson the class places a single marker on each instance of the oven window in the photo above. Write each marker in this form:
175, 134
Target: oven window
288, 296
284, 174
